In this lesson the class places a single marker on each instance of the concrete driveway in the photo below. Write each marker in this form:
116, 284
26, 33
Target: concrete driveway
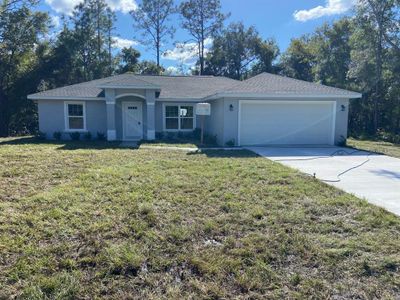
370, 176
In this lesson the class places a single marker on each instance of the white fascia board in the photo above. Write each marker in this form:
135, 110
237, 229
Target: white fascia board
144, 87
282, 96
180, 99
33, 97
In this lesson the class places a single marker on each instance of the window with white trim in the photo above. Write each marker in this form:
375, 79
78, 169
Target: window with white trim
75, 116
179, 117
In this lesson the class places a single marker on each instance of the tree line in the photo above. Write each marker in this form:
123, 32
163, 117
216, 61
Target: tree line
360, 53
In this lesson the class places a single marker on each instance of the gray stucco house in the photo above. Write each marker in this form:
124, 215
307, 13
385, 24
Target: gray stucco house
263, 110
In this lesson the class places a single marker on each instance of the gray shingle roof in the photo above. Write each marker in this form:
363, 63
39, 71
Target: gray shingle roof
196, 87
266, 83
171, 86
128, 80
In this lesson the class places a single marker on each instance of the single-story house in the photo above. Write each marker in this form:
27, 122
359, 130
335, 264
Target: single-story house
266, 109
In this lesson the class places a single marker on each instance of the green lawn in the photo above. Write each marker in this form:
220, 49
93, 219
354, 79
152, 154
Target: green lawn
88, 220
178, 143
376, 146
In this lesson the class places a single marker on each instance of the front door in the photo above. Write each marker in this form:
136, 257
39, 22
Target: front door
132, 121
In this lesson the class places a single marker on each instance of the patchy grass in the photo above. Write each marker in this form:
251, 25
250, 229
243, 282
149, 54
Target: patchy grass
376, 146
158, 143
183, 142
88, 220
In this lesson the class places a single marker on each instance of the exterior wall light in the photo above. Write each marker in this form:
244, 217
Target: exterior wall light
343, 108
231, 107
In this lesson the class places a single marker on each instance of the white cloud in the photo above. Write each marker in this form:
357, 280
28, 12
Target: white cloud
55, 21
171, 70
123, 43
124, 6
332, 7
186, 53
63, 6
178, 70
66, 6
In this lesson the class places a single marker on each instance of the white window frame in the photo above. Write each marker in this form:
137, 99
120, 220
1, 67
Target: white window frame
66, 116
179, 117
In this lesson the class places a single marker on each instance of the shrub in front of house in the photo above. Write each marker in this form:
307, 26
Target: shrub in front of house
41, 135
230, 143
75, 136
87, 136
342, 142
171, 136
181, 135
57, 135
210, 139
197, 133
101, 136
159, 135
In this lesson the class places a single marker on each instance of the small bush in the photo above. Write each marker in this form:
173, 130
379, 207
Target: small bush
342, 141
87, 136
41, 135
159, 135
75, 136
57, 135
171, 136
210, 139
101, 136
197, 133
230, 143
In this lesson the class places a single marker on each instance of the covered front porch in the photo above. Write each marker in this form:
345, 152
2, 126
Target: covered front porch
130, 114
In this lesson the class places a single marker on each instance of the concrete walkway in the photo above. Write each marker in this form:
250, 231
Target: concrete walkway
370, 176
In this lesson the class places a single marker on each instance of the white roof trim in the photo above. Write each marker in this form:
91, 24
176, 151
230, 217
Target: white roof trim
38, 97
183, 99
282, 96
146, 87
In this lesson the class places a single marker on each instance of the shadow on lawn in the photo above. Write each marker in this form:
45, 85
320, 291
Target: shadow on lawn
64, 145
104, 145
242, 153
179, 142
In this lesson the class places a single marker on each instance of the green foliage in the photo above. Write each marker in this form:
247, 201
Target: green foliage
75, 136
210, 139
342, 141
298, 60
87, 136
230, 143
151, 18
202, 19
86, 220
101, 136
232, 51
150, 68
130, 58
20, 30
360, 53
41, 135
197, 133
239, 52
57, 135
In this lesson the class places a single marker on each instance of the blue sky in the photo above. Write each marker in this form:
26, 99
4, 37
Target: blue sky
279, 19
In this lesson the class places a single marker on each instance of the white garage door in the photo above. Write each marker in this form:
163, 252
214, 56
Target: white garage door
286, 122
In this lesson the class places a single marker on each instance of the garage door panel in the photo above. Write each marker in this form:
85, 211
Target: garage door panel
291, 122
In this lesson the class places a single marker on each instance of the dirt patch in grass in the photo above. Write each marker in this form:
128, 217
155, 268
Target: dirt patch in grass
121, 223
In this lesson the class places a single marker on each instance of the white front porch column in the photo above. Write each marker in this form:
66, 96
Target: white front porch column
110, 103
150, 114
